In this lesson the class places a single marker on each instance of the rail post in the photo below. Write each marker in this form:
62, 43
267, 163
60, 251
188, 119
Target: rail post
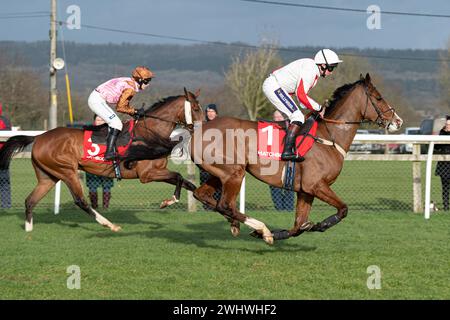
417, 180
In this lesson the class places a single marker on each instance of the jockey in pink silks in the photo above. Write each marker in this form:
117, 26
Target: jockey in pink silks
119, 92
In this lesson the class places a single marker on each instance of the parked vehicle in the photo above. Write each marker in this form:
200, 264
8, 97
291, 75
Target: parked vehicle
432, 126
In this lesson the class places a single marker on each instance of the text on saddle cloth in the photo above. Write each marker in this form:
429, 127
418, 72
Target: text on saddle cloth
94, 144
271, 140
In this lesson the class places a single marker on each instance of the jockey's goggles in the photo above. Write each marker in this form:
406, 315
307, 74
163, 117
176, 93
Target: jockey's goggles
146, 81
331, 67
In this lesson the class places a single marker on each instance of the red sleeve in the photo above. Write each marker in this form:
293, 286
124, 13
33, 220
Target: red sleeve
302, 97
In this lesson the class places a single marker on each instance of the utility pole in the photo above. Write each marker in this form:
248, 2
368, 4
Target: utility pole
53, 93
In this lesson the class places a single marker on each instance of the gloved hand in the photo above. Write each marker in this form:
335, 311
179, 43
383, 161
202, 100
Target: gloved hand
321, 113
325, 105
139, 113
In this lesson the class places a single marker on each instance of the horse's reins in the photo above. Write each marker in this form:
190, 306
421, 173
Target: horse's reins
187, 126
378, 120
165, 120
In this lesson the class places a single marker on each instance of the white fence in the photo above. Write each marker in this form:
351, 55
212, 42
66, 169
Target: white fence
415, 158
420, 203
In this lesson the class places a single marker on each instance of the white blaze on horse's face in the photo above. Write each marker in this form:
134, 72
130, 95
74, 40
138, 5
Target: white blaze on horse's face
395, 124
188, 112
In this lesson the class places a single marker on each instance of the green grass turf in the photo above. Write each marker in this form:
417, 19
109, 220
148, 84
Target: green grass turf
173, 254
177, 255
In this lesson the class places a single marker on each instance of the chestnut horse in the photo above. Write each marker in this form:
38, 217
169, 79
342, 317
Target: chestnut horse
57, 155
352, 104
234, 152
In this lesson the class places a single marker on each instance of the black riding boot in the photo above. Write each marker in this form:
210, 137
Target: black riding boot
289, 143
110, 153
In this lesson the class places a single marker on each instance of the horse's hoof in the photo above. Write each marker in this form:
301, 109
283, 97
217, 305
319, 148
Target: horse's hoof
163, 204
168, 202
28, 226
268, 240
307, 226
115, 228
235, 231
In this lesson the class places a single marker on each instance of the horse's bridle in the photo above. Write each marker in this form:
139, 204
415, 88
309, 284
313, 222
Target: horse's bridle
189, 127
378, 120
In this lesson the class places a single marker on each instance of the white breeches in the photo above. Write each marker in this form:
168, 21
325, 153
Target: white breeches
281, 99
100, 107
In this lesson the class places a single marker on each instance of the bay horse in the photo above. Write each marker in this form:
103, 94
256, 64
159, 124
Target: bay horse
57, 155
227, 163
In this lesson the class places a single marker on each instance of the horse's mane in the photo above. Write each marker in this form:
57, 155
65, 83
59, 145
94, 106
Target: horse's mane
160, 103
340, 93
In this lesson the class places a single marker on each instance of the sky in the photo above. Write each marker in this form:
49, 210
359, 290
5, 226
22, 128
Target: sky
237, 21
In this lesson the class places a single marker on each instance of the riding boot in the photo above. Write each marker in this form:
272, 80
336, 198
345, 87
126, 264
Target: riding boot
93, 196
110, 153
289, 143
106, 198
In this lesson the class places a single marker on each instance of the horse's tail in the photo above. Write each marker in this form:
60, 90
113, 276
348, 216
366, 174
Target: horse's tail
156, 149
11, 146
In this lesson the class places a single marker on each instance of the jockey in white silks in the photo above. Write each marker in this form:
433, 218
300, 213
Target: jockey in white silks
298, 77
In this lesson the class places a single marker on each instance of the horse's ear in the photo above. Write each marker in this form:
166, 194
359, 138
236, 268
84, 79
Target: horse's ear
186, 93
361, 76
197, 93
367, 78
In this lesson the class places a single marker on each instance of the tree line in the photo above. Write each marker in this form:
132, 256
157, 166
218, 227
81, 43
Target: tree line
24, 76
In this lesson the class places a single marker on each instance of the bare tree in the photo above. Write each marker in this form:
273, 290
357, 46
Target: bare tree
246, 76
22, 94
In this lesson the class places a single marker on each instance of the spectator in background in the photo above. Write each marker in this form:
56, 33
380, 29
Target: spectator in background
5, 181
93, 182
282, 199
210, 114
443, 167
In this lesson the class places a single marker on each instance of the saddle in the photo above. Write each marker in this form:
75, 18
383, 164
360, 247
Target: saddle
271, 138
94, 142
100, 133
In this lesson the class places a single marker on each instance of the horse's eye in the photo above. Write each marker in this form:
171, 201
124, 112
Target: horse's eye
379, 98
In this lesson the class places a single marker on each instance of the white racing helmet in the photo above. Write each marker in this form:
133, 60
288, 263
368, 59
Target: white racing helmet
326, 56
